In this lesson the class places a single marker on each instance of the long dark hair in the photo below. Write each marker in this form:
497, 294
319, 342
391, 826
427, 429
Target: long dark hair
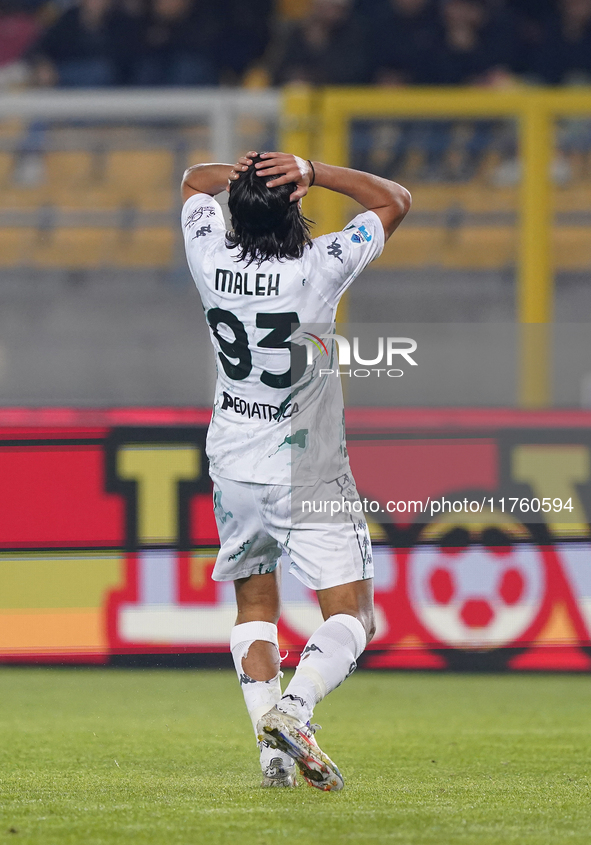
265, 224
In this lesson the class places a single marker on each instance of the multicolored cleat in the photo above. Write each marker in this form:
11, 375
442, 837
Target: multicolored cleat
296, 739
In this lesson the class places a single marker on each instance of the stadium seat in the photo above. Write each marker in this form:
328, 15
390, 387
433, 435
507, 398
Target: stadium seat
479, 198
143, 178
574, 197
68, 168
469, 197
480, 247
75, 248
139, 178
145, 247
27, 196
413, 246
470, 247
15, 245
67, 176
572, 248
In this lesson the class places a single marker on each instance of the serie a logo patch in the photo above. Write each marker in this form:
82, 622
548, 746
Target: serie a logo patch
360, 235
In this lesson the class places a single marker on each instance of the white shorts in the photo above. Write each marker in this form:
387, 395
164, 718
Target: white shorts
255, 525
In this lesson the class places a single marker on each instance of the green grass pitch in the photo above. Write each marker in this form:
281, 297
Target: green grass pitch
100, 756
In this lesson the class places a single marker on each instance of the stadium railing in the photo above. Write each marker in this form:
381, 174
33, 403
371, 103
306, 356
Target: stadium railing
90, 179
505, 179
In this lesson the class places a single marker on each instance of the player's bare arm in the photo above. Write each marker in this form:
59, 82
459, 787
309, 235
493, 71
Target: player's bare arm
389, 200
212, 178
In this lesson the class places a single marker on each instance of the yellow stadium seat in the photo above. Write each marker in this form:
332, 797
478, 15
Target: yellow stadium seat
470, 196
71, 168
467, 247
75, 248
88, 247
431, 197
92, 196
68, 168
572, 248
413, 246
140, 178
15, 245
575, 197
23, 197
145, 247
157, 199
480, 247
68, 177
130, 168
481, 198
143, 177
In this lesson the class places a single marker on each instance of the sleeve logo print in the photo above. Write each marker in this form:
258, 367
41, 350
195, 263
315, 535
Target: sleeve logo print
360, 235
204, 230
204, 211
335, 250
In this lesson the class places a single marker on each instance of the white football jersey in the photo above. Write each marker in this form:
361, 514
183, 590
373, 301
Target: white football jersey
277, 419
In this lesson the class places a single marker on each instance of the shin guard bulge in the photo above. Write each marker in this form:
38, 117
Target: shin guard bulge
259, 696
330, 656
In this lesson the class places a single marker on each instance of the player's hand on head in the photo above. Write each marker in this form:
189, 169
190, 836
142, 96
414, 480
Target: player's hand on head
285, 168
243, 163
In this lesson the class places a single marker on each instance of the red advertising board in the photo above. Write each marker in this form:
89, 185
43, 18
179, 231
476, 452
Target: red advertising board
107, 538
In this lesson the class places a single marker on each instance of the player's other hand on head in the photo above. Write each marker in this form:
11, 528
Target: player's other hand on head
285, 168
243, 163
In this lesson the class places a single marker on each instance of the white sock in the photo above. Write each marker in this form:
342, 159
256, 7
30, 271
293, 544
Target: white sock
329, 657
259, 696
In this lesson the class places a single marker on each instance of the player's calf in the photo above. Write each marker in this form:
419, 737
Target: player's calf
259, 696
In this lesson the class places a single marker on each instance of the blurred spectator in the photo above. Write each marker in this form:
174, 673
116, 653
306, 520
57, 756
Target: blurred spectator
87, 46
324, 42
477, 44
565, 52
328, 47
244, 37
531, 18
533, 9
19, 29
178, 43
403, 37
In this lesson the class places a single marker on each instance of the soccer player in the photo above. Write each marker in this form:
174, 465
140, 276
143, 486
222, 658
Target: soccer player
270, 439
